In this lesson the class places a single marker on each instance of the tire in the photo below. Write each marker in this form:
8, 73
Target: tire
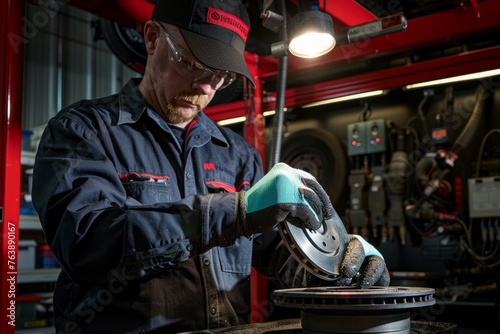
126, 43
322, 154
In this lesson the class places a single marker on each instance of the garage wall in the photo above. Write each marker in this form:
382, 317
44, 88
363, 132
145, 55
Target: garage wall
63, 63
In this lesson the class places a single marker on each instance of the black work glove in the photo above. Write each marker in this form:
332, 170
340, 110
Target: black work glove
363, 265
284, 193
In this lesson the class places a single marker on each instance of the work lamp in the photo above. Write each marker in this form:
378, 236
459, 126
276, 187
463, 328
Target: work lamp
311, 34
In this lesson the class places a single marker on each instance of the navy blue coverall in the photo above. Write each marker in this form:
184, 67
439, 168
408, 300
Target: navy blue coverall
143, 218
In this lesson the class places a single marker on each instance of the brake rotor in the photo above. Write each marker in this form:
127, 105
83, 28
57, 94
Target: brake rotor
352, 298
319, 251
349, 309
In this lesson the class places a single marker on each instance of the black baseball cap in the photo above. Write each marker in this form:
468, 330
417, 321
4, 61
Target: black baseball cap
214, 30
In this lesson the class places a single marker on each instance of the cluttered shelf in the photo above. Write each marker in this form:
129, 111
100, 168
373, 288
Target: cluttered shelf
42, 275
28, 158
29, 222
38, 330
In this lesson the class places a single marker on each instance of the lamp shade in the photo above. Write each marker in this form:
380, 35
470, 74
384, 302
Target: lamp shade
311, 34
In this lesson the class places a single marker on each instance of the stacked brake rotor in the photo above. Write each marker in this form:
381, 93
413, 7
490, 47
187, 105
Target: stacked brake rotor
332, 310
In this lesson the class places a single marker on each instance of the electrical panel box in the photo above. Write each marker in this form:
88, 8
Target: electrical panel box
366, 137
356, 138
375, 134
484, 197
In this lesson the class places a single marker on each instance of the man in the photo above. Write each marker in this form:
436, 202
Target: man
152, 209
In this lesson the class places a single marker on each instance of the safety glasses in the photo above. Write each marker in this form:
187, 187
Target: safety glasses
193, 70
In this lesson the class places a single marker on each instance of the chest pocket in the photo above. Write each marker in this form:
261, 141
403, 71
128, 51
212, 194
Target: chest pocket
236, 259
149, 192
219, 187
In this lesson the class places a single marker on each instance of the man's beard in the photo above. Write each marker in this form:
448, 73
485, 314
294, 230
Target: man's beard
173, 116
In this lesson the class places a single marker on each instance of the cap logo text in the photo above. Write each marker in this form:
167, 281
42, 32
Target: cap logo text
228, 21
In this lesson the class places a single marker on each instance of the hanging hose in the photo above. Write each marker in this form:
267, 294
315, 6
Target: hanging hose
421, 115
472, 125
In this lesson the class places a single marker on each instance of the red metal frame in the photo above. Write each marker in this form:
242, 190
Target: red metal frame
11, 62
254, 135
425, 31
139, 11
349, 12
397, 77
112, 10
433, 29
393, 78
430, 30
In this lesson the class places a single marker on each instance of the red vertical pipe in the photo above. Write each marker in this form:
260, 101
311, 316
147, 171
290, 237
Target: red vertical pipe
11, 74
254, 135
255, 123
